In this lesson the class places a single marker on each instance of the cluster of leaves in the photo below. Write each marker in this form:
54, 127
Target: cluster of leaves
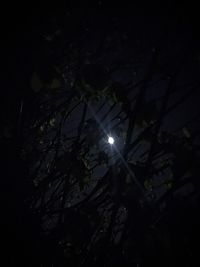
81, 209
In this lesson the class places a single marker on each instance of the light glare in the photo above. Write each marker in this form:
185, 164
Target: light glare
111, 140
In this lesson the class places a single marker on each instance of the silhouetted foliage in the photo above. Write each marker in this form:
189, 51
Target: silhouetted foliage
132, 203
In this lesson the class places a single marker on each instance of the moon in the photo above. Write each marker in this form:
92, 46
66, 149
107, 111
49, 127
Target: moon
111, 140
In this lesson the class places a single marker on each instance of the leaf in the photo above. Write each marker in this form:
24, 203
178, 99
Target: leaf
55, 83
169, 185
139, 170
52, 122
148, 184
119, 96
80, 170
147, 136
102, 157
63, 163
90, 126
36, 83
95, 76
48, 38
186, 132
41, 128
147, 114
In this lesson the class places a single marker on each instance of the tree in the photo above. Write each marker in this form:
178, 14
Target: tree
105, 205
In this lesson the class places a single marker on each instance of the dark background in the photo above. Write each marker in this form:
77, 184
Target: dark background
21, 47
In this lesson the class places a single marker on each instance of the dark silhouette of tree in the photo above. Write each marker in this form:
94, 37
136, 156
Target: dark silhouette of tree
133, 203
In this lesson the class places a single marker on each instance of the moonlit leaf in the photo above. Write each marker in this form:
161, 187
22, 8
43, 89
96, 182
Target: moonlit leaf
186, 132
55, 83
52, 122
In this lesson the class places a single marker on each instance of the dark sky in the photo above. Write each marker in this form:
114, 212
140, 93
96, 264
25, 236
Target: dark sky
141, 20
24, 48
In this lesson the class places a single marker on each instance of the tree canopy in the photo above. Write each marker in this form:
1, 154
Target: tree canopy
132, 203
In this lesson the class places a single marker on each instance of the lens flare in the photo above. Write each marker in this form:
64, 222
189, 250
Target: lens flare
111, 140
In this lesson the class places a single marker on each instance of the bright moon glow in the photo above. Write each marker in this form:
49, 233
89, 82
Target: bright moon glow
111, 140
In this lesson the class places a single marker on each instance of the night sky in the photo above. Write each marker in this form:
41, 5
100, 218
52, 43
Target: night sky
131, 34
178, 23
